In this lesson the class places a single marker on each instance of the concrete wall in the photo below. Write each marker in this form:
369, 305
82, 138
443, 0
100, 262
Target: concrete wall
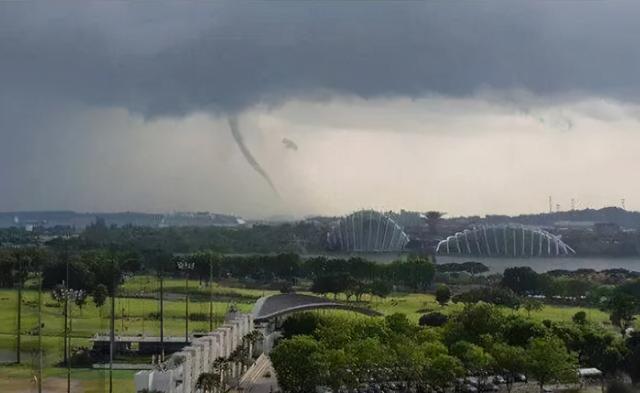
181, 370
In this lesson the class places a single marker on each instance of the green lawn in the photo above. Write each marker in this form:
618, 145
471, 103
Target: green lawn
20, 379
414, 305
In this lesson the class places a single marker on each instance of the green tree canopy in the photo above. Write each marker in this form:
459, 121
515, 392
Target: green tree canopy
549, 361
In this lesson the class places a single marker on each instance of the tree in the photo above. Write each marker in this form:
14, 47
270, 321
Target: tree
443, 294
208, 382
579, 318
304, 323
595, 346
509, 360
632, 361
80, 275
400, 324
333, 283
380, 288
521, 280
549, 361
296, 362
623, 308
498, 296
469, 267
518, 330
80, 299
473, 357
433, 219
530, 305
100, 295
409, 361
473, 322
442, 371
415, 274
336, 367
367, 355
322, 285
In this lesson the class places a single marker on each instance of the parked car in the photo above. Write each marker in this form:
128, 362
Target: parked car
520, 377
473, 381
488, 387
498, 379
467, 388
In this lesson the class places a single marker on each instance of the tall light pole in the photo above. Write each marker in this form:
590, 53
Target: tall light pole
112, 325
18, 275
112, 338
161, 315
66, 310
210, 293
40, 361
186, 266
65, 294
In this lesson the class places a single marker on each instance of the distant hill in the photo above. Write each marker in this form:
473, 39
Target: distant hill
82, 220
624, 218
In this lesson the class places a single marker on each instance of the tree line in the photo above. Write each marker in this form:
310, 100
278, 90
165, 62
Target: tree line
480, 340
85, 269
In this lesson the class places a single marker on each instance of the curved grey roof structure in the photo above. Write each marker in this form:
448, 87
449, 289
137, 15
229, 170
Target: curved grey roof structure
367, 231
506, 240
269, 307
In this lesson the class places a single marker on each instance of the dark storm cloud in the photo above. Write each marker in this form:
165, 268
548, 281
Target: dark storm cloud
171, 59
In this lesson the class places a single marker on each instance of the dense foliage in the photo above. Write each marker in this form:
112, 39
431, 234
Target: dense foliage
478, 340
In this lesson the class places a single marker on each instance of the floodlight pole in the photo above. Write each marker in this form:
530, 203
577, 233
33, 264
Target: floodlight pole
112, 335
186, 266
161, 315
210, 294
66, 310
186, 307
69, 349
19, 333
40, 362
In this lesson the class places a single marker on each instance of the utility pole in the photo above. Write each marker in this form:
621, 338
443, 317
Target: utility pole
550, 204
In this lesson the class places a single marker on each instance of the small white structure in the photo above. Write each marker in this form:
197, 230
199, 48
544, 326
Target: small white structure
180, 372
591, 372
589, 376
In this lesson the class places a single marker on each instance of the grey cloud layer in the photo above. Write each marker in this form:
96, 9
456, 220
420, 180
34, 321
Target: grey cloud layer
169, 59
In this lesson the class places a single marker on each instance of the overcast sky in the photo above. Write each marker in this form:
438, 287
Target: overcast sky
468, 108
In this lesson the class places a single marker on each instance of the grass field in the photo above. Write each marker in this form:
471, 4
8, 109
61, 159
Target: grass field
137, 314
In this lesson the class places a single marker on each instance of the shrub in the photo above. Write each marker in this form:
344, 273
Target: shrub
434, 319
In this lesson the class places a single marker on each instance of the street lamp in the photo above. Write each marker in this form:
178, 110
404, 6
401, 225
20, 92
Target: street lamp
186, 266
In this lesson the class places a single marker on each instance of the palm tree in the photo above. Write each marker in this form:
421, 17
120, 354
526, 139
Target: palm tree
207, 382
251, 339
221, 367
